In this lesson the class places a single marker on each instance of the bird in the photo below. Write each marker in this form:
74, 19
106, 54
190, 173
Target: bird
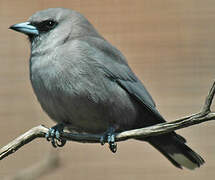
85, 85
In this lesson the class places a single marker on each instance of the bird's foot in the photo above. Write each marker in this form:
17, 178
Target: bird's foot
53, 135
110, 138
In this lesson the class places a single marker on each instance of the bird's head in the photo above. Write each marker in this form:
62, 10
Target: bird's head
55, 25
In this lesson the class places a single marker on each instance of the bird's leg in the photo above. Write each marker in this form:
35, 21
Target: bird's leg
110, 138
53, 135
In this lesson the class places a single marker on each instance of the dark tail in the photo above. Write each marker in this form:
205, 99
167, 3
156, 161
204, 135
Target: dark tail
173, 147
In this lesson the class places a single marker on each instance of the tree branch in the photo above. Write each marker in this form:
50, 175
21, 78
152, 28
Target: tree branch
204, 115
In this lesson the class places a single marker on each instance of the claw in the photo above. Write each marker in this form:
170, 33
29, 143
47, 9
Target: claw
113, 147
110, 138
53, 142
53, 135
102, 140
112, 143
62, 142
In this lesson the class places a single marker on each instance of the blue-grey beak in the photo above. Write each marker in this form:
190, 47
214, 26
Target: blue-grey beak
25, 28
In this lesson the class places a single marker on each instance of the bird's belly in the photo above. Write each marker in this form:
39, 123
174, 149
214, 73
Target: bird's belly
84, 106
79, 114
82, 114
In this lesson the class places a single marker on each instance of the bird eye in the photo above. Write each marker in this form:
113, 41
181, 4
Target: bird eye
46, 25
49, 23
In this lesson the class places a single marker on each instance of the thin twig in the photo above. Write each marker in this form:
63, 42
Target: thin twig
40, 131
209, 100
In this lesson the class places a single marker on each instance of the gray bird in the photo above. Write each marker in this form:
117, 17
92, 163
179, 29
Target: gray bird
85, 84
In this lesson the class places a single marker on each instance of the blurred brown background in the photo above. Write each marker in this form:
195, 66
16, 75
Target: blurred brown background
171, 47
